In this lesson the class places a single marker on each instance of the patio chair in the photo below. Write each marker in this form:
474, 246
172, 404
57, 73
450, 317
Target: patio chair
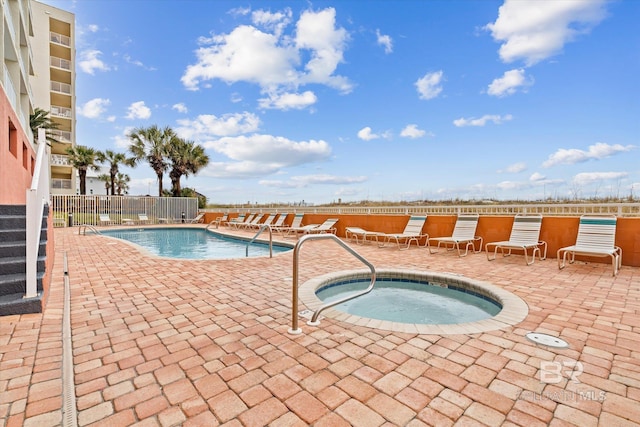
267, 221
326, 227
197, 220
295, 223
104, 219
221, 220
412, 233
143, 219
280, 221
525, 235
596, 237
360, 235
242, 222
233, 221
464, 233
250, 224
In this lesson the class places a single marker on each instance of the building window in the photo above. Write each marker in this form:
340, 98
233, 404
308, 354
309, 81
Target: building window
25, 156
13, 139
33, 165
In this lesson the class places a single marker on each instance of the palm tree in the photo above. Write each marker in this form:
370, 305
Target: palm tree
122, 183
82, 158
40, 120
152, 145
115, 160
107, 181
186, 157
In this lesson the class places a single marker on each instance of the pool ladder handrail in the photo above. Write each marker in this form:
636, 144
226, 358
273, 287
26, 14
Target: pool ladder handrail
89, 226
294, 330
260, 230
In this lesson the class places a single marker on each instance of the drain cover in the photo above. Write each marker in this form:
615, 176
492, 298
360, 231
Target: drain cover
548, 340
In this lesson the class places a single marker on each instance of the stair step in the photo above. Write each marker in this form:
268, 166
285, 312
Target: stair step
14, 209
19, 248
16, 304
17, 283
18, 265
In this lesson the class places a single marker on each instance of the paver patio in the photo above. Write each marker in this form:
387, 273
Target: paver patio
160, 342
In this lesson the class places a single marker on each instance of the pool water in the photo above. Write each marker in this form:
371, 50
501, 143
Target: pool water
190, 243
407, 301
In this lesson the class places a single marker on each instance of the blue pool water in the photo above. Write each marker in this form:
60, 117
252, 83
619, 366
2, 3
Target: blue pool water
407, 301
190, 243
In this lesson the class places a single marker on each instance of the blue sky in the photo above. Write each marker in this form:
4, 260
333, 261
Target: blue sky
370, 100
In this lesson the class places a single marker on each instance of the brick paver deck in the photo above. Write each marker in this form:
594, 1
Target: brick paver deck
160, 342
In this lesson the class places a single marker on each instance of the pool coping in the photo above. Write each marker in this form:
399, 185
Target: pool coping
514, 309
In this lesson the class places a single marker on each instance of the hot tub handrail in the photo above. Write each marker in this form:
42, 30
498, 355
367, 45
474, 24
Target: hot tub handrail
294, 292
262, 228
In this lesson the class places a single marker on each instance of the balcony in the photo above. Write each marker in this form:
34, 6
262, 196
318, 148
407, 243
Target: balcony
59, 160
61, 184
62, 112
62, 63
60, 39
61, 135
61, 88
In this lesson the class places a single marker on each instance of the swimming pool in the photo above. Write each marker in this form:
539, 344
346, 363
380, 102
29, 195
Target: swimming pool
397, 308
192, 243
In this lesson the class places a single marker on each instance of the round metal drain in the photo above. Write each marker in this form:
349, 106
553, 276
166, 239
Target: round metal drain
548, 340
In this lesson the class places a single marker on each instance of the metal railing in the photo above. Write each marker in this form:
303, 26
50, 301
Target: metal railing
75, 209
294, 330
60, 39
260, 230
631, 209
37, 198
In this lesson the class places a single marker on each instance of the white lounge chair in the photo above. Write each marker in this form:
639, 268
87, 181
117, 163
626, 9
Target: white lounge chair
241, 223
197, 220
143, 219
104, 219
295, 223
326, 227
360, 235
251, 223
464, 233
525, 235
221, 220
267, 221
412, 233
596, 237
234, 221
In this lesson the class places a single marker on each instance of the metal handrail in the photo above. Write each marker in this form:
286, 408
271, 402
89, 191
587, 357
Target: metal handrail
294, 292
89, 226
262, 227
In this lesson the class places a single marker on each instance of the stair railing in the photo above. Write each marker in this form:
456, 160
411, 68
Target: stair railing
37, 198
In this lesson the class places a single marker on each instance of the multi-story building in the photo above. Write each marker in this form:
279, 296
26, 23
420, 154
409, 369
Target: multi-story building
17, 154
53, 86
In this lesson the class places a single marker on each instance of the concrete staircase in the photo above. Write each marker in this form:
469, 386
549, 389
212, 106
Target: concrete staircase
13, 261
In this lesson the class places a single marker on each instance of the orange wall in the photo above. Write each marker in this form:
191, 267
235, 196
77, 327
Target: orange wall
14, 177
557, 231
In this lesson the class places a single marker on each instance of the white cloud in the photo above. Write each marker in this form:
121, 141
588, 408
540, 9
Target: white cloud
288, 101
138, 110
122, 140
206, 127
590, 177
597, 151
534, 30
412, 131
306, 180
94, 108
366, 134
90, 62
273, 60
430, 85
495, 119
93, 28
180, 107
509, 83
535, 177
258, 155
385, 41
515, 168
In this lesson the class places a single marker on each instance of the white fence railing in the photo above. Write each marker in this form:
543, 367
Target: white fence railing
75, 210
37, 198
551, 209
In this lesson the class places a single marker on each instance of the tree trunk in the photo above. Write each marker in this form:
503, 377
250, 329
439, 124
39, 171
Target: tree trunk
82, 174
